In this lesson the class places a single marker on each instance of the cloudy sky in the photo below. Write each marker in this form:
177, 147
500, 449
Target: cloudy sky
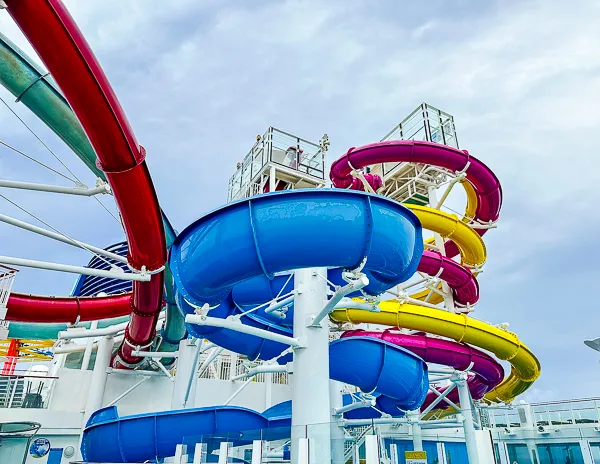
199, 80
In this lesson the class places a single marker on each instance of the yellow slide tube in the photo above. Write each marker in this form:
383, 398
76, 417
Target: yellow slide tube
505, 345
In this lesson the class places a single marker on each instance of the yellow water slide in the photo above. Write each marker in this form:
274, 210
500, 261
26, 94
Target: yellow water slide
459, 327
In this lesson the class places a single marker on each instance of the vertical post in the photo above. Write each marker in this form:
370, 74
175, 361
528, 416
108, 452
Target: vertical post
417, 434
268, 390
372, 449
257, 452
465, 406
184, 387
180, 454
303, 451
439, 243
87, 354
200, 453
310, 395
233, 357
223, 452
272, 178
337, 432
394, 453
99, 377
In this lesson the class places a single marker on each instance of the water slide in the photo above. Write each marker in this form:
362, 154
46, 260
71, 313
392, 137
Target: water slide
262, 236
484, 199
113, 155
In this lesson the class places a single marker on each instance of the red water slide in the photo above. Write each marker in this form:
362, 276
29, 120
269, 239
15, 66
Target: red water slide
63, 49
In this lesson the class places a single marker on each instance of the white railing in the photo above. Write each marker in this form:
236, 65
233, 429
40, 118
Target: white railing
7, 277
220, 369
22, 390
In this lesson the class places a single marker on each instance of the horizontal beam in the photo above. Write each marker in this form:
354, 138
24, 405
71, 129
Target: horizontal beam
80, 190
353, 406
155, 354
61, 238
74, 348
235, 324
120, 275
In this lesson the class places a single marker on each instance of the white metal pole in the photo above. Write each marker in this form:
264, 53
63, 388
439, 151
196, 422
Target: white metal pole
310, 395
372, 449
439, 243
417, 435
465, 406
121, 275
61, 238
233, 359
257, 452
337, 432
268, 390
223, 452
99, 377
303, 445
186, 372
199, 452
87, 354
272, 178
78, 190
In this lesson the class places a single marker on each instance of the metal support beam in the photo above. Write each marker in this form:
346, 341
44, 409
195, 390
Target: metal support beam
233, 323
121, 275
341, 292
81, 190
61, 238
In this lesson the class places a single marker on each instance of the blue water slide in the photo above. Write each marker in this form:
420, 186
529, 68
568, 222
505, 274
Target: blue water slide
229, 259
295, 229
376, 367
230, 255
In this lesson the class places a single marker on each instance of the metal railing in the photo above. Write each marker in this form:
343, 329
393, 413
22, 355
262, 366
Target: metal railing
220, 369
23, 390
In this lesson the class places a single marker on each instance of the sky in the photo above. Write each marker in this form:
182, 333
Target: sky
199, 80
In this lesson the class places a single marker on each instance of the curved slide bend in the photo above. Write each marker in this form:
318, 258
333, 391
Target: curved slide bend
258, 237
59, 43
484, 198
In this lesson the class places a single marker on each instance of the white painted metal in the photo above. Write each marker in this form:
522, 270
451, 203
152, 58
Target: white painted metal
73, 348
7, 278
87, 354
128, 391
80, 332
257, 452
468, 424
180, 454
303, 453
199, 453
81, 190
121, 275
233, 361
394, 453
439, 243
268, 390
352, 304
360, 282
337, 431
352, 406
99, 376
155, 354
260, 369
61, 238
372, 449
417, 436
238, 391
310, 395
223, 452
234, 323
215, 352
185, 379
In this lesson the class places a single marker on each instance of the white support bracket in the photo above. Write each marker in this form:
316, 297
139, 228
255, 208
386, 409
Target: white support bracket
81, 190
352, 406
235, 324
353, 285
